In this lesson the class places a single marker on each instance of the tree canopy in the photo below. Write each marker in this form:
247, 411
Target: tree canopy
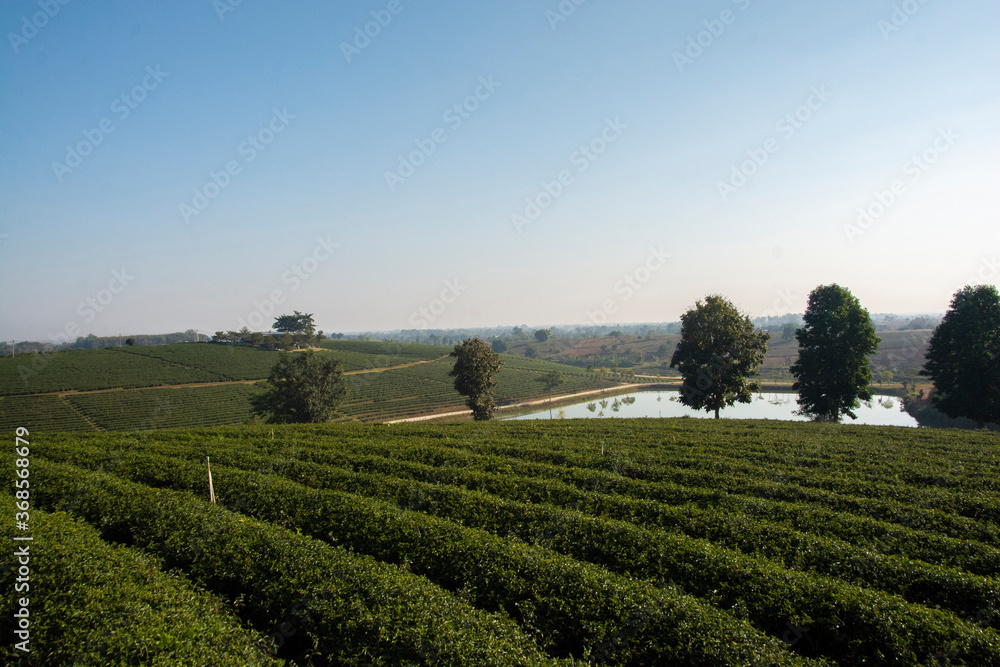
718, 352
296, 323
832, 373
475, 365
963, 358
303, 387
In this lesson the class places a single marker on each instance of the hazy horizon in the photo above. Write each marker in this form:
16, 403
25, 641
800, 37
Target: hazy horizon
390, 165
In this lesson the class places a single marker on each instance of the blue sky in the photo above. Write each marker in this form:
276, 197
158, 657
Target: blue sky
176, 165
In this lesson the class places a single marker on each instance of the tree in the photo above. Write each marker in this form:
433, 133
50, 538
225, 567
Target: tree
542, 335
300, 325
530, 352
832, 373
475, 365
130, 342
498, 344
303, 387
551, 380
963, 357
788, 331
718, 352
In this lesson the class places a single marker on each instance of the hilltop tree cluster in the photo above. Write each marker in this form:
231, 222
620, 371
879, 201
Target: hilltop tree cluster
298, 331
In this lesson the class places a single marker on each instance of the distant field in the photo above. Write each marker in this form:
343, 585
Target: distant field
902, 350
421, 386
85, 370
625, 542
228, 362
365, 355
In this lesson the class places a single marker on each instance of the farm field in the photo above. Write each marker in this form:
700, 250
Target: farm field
902, 350
366, 355
420, 385
633, 542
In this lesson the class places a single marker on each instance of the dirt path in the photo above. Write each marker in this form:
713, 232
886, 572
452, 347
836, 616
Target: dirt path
189, 385
542, 401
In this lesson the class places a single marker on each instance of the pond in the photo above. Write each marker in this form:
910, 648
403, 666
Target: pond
883, 410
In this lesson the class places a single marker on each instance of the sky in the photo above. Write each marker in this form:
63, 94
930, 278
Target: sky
402, 164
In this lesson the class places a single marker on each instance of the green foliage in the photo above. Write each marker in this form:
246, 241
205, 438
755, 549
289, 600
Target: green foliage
542, 335
47, 412
94, 603
145, 409
632, 542
475, 365
551, 380
963, 359
303, 387
499, 345
297, 323
325, 603
833, 372
718, 352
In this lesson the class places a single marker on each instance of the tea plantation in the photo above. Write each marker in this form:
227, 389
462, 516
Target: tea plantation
624, 542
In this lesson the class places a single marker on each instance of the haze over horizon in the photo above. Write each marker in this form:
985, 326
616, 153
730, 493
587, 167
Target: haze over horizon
174, 166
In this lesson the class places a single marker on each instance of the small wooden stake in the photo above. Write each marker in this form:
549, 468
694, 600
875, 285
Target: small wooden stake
211, 491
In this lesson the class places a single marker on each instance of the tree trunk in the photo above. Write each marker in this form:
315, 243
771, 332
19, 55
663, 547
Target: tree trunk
716, 411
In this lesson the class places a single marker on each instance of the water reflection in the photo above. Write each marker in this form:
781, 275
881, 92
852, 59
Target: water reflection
882, 411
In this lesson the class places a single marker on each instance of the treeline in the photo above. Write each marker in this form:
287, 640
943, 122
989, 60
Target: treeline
92, 342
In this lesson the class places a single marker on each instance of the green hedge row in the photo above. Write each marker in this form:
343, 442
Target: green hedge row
93, 603
917, 581
573, 609
797, 530
329, 605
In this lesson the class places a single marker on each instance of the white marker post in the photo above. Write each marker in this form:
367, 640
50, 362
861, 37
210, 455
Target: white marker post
211, 491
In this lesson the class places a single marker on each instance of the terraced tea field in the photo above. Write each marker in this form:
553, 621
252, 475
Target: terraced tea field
625, 542
152, 387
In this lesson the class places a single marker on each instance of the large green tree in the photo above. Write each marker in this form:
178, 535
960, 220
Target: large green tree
303, 387
963, 358
718, 353
301, 326
832, 373
475, 365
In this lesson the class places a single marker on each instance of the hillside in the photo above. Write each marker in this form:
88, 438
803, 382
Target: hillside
632, 542
899, 351
189, 384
